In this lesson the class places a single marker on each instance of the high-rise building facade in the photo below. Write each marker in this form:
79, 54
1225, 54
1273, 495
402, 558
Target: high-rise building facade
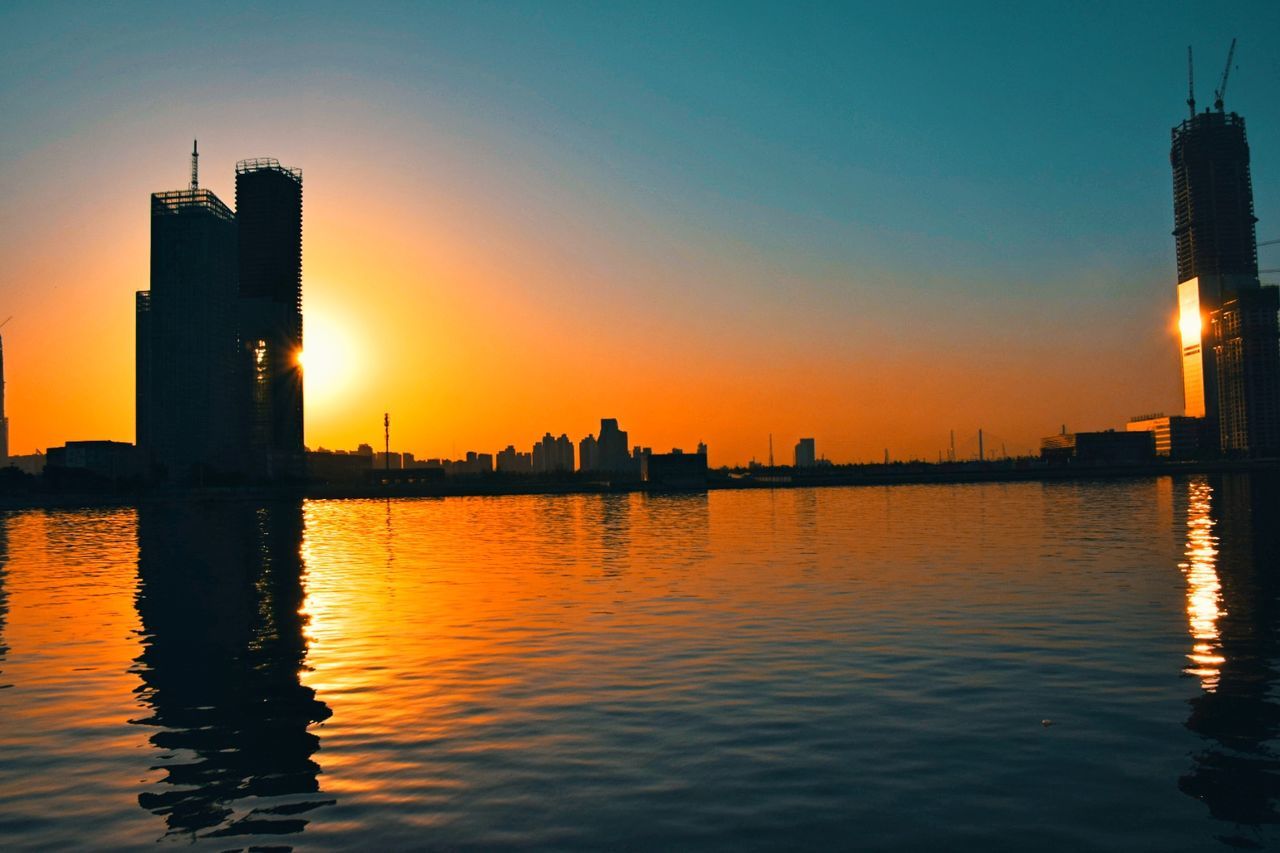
219, 334
1246, 345
269, 226
1213, 199
4, 418
1214, 232
186, 342
611, 447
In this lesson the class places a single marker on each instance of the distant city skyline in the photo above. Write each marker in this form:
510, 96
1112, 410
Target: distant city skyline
880, 228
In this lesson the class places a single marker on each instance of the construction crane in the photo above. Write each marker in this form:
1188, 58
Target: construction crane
1221, 91
1191, 84
6, 320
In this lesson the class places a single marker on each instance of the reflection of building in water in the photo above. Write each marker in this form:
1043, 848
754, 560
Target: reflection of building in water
1237, 773
1204, 592
219, 595
615, 532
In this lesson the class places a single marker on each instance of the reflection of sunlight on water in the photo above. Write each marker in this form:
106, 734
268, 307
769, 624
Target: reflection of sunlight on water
1204, 592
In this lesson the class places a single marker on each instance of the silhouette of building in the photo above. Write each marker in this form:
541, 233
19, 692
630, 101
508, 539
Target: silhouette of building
110, 460
540, 453
612, 447
675, 470
269, 222
805, 456
512, 461
186, 401
588, 453
30, 463
553, 454
4, 419
326, 466
383, 460
1217, 253
1104, 447
1175, 436
471, 465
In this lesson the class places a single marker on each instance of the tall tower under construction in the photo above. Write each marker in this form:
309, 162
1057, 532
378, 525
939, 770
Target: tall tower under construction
186, 426
4, 418
1218, 265
269, 225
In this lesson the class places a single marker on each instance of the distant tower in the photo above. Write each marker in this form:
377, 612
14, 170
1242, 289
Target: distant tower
269, 226
805, 453
1218, 265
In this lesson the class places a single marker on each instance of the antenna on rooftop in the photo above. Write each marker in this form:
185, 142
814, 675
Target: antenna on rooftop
1221, 91
195, 166
1191, 84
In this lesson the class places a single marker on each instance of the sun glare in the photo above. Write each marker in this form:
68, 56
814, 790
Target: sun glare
1191, 327
327, 361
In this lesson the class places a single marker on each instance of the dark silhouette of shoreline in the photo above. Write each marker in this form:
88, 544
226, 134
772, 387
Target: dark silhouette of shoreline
903, 473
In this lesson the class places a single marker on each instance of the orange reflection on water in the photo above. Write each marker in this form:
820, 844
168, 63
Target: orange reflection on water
1204, 591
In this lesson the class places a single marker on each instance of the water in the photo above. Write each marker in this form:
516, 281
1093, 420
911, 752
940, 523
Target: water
859, 668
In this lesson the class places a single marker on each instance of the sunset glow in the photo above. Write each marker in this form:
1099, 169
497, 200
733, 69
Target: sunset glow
329, 363
492, 255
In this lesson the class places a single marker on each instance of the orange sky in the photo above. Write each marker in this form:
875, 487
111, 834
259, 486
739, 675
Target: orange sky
484, 286
483, 303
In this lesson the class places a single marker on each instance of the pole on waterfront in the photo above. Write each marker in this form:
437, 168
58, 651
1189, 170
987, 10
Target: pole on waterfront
386, 437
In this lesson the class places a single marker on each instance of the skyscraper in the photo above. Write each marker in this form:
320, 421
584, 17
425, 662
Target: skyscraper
1218, 264
186, 337
269, 224
4, 418
611, 447
1246, 346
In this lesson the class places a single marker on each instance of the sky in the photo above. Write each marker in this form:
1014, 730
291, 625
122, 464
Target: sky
867, 223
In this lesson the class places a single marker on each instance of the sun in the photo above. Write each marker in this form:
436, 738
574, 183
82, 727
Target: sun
328, 360
1191, 327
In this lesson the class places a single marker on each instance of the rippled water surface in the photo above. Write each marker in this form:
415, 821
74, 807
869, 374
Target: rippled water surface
865, 668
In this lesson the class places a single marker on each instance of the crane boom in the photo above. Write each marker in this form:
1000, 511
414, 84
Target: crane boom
1226, 72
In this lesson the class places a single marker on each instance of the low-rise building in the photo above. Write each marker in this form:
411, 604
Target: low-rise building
1175, 436
675, 470
327, 466
112, 460
1104, 447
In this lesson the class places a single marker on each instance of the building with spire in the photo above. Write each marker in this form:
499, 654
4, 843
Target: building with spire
186, 321
219, 332
1230, 350
4, 416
